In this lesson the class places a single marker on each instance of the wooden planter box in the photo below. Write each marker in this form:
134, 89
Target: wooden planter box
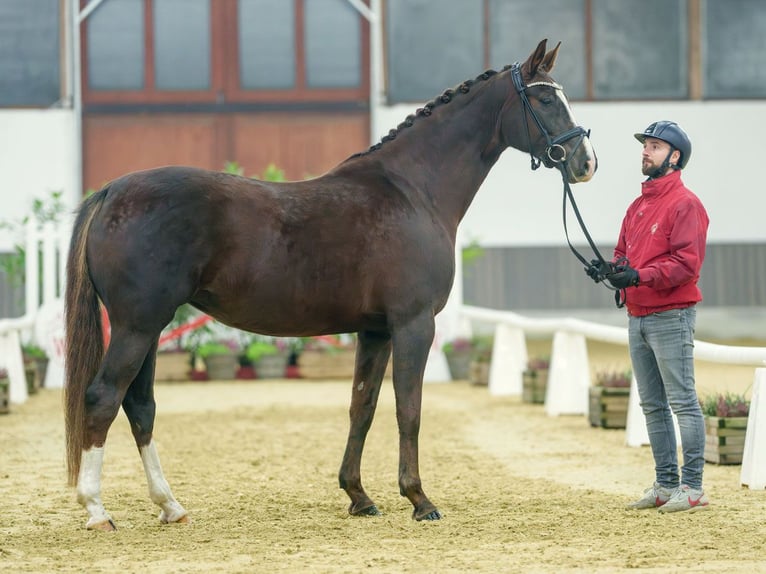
5, 396
335, 364
534, 384
608, 407
725, 439
40, 367
33, 379
479, 373
172, 366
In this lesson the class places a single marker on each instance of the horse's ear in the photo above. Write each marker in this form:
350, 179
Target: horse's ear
536, 58
550, 59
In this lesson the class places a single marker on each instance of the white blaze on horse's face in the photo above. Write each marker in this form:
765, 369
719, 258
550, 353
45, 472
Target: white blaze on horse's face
585, 146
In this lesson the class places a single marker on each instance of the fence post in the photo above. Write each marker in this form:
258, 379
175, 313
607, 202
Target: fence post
10, 350
753, 473
569, 376
509, 358
50, 277
635, 426
31, 267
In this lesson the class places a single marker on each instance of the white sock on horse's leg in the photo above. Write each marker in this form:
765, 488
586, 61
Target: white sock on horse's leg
89, 489
159, 489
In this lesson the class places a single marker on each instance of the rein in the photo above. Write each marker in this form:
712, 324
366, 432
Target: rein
557, 154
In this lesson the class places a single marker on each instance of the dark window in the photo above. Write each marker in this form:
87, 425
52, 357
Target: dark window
115, 36
182, 45
640, 49
432, 46
735, 49
333, 44
219, 51
516, 27
266, 44
29, 53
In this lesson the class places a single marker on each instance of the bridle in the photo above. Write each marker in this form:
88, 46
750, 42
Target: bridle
557, 154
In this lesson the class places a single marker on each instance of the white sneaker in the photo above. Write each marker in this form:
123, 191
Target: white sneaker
655, 496
686, 498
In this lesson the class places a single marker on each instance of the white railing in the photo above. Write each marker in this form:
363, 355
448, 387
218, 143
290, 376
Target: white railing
41, 321
569, 374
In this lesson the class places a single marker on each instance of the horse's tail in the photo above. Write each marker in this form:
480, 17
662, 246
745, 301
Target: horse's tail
84, 334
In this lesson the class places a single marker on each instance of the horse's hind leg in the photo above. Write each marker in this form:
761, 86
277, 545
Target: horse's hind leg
372, 355
126, 354
140, 408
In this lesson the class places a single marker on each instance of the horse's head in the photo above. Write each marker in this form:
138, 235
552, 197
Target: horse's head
540, 121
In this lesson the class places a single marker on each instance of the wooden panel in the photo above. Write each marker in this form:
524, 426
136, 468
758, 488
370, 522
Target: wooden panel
115, 145
303, 145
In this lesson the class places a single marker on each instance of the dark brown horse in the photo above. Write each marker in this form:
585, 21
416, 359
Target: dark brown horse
369, 247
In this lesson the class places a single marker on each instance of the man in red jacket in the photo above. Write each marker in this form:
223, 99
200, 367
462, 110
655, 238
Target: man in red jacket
657, 264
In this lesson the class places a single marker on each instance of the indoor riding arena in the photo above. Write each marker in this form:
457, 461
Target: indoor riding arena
203, 200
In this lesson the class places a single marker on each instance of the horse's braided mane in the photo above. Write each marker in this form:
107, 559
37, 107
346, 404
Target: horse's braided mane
426, 110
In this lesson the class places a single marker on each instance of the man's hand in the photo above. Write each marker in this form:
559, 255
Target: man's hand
624, 276
598, 269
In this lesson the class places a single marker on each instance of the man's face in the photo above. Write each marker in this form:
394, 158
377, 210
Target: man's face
655, 152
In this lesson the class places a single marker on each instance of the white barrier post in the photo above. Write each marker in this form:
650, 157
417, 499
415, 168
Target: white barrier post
509, 359
569, 376
635, 426
753, 473
31, 268
10, 351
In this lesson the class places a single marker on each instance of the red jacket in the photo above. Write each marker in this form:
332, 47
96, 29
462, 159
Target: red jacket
663, 237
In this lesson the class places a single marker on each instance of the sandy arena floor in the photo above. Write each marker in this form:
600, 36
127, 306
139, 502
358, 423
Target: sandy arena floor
256, 465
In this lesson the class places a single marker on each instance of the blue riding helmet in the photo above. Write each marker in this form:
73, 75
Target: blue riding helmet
671, 133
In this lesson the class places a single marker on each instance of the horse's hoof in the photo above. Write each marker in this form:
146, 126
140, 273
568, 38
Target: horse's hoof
104, 526
368, 511
433, 515
169, 519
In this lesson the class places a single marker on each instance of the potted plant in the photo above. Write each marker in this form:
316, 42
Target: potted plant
480, 360
725, 427
608, 406
535, 380
220, 359
269, 356
459, 352
35, 366
5, 392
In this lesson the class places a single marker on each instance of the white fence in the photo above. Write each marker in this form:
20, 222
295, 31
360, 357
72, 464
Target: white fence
45, 248
569, 374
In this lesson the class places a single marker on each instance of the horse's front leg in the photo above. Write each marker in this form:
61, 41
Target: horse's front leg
411, 343
372, 356
140, 408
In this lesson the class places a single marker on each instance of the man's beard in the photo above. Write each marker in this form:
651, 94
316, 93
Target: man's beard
650, 169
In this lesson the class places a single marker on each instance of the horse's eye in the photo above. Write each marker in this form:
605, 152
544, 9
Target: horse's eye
547, 100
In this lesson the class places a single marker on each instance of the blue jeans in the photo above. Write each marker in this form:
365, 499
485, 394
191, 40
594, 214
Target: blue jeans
662, 353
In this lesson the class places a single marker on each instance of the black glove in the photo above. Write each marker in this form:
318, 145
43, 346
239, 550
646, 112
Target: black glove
599, 269
624, 276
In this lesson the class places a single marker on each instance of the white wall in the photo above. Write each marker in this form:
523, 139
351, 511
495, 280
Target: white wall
37, 156
517, 206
